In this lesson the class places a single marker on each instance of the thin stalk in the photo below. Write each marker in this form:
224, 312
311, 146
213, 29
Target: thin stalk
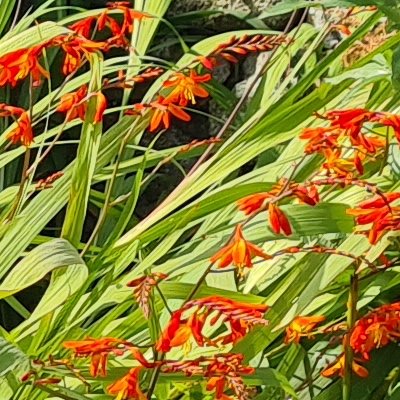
107, 201
348, 351
27, 156
20, 193
164, 300
386, 153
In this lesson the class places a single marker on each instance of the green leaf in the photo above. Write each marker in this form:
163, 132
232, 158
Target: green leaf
84, 167
38, 263
11, 358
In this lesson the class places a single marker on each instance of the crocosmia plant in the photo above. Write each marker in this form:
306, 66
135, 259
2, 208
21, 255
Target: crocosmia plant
173, 226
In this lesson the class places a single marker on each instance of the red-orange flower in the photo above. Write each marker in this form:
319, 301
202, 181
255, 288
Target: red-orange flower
185, 88
320, 138
73, 104
337, 166
100, 349
222, 370
76, 48
127, 387
302, 326
129, 14
161, 111
377, 329
391, 120
240, 318
84, 26
278, 220
101, 105
23, 131
253, 203
380, 213
337, 368
352, 121
239, 252
19, 64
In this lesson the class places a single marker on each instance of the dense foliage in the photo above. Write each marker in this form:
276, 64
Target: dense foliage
267, 269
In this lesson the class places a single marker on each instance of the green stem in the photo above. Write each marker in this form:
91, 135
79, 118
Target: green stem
348, 351
107, 201
20, 193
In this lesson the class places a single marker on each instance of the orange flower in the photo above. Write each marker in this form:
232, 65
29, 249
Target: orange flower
161, 112
179, 331
337, 368
377, 329
180, 328
373, 209
239, 252
320, 138
391, 120
84, 26
378, 212
128, 386
23, 131
337, 166
352, 122
302, 327
253, 203
99, 350
186, 88
129, 14
278, 220
226, 371
101, 105
73, 104
222, 370
76, 48
19, 64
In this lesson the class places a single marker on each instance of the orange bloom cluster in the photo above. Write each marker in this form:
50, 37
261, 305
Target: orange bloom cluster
118, 37
185, 88
182, 89
18, 64
99, 351
239, 252
76, 49
240, 317
224, 371
161, 112
23, 131
278, 220
302, 326
74, 104
379, 212
377, 329
143, 287
346, 128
